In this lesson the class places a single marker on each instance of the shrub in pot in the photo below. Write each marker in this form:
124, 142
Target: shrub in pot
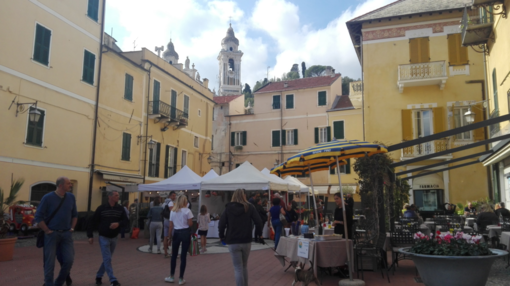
7, 243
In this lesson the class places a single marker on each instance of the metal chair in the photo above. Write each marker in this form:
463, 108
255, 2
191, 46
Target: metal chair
376, 252
399, 240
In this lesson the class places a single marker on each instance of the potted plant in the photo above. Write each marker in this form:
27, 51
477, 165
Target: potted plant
452, 259
7, 243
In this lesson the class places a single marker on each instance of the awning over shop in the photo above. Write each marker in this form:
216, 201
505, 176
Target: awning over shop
499, 152
121, 177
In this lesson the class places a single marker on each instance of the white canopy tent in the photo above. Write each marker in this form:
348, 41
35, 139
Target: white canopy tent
302, 187
210, 175
185, 179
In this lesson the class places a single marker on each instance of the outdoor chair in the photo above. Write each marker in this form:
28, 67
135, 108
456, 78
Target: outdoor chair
409, 227
505, 226
441, 225
399, 240
375, 252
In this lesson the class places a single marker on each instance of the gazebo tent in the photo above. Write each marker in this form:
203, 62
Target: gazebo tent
185, 179
210, 175
302, 187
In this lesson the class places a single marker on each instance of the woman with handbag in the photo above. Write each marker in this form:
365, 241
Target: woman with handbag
277, 219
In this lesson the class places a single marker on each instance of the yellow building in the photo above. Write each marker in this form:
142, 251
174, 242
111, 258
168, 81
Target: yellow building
48, 67
154, 118
419, 80
486, 29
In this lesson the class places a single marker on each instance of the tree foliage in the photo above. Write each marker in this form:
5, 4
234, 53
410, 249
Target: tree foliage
303, 69
315, 70
6, 202
345, 84
248, 96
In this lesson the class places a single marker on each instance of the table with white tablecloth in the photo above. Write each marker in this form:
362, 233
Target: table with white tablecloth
505, 239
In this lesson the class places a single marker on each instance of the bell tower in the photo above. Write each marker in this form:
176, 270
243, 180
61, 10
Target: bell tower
229, 60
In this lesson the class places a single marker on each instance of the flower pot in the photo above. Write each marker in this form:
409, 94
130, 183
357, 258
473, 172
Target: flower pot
436, 270
7, 248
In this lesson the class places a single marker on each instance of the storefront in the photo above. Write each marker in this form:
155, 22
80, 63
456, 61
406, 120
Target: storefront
428, 192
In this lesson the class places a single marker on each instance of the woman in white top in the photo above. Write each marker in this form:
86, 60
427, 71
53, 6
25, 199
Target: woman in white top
180, 222
203, 226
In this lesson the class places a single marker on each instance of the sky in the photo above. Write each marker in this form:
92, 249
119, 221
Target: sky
273, 34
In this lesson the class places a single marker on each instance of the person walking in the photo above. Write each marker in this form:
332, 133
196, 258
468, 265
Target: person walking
167, 208
156, 224
57, 217
123, 230
237, 219
111, 218
262, 213
274, 219
181, 219
203, 227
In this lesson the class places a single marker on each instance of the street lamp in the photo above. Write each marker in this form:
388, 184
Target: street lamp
210, 159
152, 144
469, 116
34, 115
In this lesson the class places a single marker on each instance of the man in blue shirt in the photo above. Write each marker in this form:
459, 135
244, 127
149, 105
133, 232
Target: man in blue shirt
58, 232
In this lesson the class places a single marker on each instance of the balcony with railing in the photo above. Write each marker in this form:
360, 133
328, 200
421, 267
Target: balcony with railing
427, 148
160, 110
476, 26
421, 74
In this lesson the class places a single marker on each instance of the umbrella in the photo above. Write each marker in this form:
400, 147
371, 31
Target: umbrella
329, 153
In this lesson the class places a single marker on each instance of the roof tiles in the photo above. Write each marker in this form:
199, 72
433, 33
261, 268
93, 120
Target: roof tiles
301, 83
225, 99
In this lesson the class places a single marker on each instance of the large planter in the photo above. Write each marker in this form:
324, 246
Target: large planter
7, 248
438, 270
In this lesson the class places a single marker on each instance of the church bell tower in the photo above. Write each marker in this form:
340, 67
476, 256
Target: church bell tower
229, 60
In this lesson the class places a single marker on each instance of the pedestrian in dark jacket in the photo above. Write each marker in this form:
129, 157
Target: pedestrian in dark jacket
111, 218
237, 220
262, 213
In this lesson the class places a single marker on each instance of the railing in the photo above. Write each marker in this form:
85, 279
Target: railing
494, 128
476, 27
159, 107
427, 148
422, 71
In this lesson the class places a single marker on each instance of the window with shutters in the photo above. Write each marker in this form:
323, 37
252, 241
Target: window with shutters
457, 54
275, 138
289, 101
154, 160
93, 9
419, 50
323, 134
289, 134
184, 157
423, 127
460, 120
170, 161
276, 102
35, 130
186, 106
338, 129
89, 62
42, 45
495, 90
321, 98
238, 138
128, 87
195, 142
126, 146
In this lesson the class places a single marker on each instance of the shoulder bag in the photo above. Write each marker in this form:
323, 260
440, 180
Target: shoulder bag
40, 234
283, 219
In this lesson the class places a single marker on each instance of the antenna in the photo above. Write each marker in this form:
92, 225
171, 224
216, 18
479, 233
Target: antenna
159, 50
134, 44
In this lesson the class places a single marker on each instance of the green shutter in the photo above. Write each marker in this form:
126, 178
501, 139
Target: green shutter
276, 138
93, 9
284, 137
322, 98
338, 130
158, 153
126, 146
167, 151
151, 152
289, 101
42, 45
348, 167
128, 88
276, 102
35, 130
243, 138
175, 161
155, 97
328, 135
232, 139
316, 135
89, 60
332, 171
186, 105
295, 137
495, 89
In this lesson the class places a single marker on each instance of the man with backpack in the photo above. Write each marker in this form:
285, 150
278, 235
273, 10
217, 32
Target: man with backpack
167, 208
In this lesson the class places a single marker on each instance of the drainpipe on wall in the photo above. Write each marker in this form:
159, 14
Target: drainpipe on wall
146, 126
487, 114
96, 111
362, 85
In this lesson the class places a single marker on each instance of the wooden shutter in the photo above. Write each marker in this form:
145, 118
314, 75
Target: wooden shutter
332, 170
126, 146
186, 104
158, 153
316, 132
478, 134
338, 130
243, 139
284, 137
457, 54
35, 130
438, 115
322, 98
276, 138
495, 90
175, 160
289, 101
276, 102
295, 136
167, 152
128, 88
89, 60
419, 50
348, 167
424, 50
232, 139
42, 45
93, 9
328, 131
407, 124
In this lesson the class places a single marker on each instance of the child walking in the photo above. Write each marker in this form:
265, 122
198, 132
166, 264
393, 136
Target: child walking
203, 226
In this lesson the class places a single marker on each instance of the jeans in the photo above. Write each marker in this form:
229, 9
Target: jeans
107, 248
155, 229
277, 225
180, 236
63, 241
239, 253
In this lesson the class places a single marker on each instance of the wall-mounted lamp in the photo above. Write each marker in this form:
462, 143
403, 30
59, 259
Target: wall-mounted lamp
210, 159
33, 114
151, 144
469, 116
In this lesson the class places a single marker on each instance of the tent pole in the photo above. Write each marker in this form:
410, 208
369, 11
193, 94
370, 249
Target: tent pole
344, 218
314, 202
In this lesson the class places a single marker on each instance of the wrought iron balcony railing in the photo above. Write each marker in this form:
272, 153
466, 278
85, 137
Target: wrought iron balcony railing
427, 148
158, 107
420, 74
476, 26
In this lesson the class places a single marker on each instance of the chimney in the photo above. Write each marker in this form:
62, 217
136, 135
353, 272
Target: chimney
285, 84
206, 83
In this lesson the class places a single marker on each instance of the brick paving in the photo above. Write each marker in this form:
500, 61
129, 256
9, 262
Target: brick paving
133, 267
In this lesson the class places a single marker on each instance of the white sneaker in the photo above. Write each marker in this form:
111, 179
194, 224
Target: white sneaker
169, 279
182, 281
